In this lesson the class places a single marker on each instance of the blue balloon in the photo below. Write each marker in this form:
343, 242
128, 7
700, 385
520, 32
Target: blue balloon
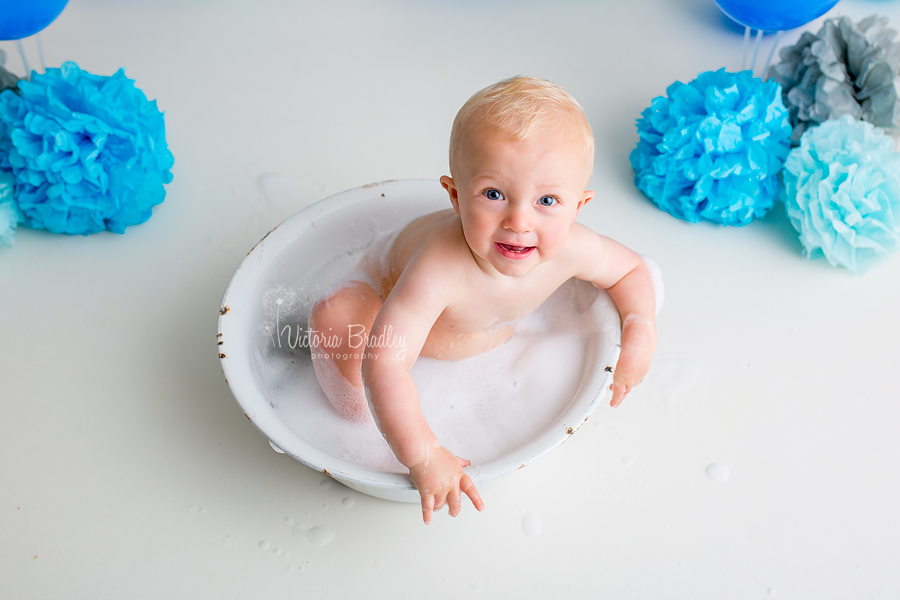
775, 15
22, 18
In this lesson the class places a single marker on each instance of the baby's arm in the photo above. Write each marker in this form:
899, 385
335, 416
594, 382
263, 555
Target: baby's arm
628, 281
403, 324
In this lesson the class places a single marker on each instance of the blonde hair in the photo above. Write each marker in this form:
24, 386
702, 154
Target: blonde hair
521, 107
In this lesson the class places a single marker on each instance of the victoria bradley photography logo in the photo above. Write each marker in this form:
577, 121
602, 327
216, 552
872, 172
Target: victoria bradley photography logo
281, 303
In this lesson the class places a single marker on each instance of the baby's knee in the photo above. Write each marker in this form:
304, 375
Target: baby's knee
334, 311
330, 312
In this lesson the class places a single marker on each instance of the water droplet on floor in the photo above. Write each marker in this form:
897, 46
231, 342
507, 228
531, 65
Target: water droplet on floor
325, 484
532, 525
771, 591
318, 535
264, 545
717, 472
347, 502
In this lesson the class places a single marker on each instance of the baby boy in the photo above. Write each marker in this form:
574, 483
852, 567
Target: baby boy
453, 283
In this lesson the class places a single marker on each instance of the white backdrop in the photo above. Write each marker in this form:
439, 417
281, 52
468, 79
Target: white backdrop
127, 470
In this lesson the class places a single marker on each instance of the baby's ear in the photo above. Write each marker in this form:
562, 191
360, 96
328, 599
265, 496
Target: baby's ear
448, 184
587, 197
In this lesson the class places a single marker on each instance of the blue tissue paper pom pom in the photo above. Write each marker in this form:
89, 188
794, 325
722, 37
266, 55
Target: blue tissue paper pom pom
711, 149
88, 152
842, 192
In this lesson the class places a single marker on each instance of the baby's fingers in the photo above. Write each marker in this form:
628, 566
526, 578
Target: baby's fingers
628, 375
427, 507
454, 502
619, 390
468, 488
633, 364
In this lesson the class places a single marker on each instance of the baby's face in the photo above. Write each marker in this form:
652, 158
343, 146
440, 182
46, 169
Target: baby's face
518, 199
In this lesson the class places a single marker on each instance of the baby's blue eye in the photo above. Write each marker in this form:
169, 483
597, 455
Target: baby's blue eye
493, 194
548, 201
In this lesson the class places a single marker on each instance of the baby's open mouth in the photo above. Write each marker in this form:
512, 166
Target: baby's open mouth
514, 251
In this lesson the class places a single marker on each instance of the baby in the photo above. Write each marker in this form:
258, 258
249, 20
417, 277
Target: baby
453, 283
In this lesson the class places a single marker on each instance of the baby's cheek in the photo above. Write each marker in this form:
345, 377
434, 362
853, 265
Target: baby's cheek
552, 244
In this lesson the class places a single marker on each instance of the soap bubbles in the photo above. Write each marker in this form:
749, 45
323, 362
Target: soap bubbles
21, 18
775, 15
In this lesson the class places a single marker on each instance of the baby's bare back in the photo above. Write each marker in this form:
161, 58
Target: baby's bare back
481, 311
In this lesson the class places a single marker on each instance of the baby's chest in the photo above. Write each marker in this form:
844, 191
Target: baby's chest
480, 311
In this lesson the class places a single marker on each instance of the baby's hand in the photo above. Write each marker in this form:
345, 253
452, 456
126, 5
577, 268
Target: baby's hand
638, 344
441, 480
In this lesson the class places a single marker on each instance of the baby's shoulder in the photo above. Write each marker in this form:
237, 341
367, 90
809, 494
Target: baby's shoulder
429, 246
582, 243
584, 253
424, 234
582, 234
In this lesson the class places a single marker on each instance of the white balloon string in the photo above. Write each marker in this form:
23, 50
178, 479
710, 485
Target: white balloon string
24, 60
746, 46
759, 34
40, 46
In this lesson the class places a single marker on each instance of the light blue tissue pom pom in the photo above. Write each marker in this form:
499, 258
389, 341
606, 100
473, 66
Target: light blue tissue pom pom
711, 149
9, 212
842, 192
88, 152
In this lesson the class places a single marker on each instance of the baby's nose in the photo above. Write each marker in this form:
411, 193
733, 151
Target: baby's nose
518, 220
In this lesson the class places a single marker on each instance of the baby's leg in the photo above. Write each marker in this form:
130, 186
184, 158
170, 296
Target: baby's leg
339, 326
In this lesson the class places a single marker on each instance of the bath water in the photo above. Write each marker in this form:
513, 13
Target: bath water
480, 408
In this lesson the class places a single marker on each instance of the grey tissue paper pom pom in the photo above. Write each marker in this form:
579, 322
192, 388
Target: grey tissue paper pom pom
844, 69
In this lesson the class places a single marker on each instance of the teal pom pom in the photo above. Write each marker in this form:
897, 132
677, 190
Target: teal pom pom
711, 149
842, 192
88, 152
